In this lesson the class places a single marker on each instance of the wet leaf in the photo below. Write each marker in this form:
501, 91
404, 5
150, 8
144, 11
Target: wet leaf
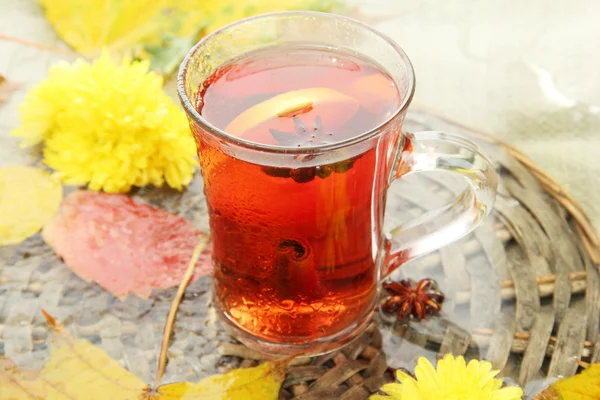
583, 386
29, 197
123, 245
6, 89
77, 370
258, 383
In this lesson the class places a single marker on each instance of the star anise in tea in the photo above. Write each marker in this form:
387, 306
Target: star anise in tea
306, 174
409, 300
302, 131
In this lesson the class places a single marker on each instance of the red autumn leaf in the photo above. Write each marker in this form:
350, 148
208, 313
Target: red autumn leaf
123, 245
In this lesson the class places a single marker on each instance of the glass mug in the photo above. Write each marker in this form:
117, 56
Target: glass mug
297, 262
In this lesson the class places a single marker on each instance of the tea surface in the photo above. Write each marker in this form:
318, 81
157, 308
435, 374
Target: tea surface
298, 97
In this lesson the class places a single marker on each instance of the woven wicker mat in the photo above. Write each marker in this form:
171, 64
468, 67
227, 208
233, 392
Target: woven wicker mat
522, 292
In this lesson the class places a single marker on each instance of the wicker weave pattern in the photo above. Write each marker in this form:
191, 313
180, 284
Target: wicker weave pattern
523, 291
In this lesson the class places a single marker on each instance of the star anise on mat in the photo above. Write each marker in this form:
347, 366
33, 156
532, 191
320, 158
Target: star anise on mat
407, 299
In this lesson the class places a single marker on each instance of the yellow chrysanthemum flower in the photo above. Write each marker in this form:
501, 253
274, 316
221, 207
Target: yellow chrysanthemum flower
453, 380
109, 125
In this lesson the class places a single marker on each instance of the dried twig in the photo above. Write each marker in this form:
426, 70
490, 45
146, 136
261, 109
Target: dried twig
545, 286
592, 250
162, 359
40, 46
582, 364
524, 336
541, 280
481, 337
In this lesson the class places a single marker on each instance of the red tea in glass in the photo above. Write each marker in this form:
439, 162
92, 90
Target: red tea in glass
292, 240
297, 118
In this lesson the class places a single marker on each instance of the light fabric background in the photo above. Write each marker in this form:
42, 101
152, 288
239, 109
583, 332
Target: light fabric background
525, 71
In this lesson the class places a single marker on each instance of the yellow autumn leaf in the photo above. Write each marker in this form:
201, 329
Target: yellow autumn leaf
128, 26
77, 370
117, 25
216, 13
258, 383
583, 386
29, 197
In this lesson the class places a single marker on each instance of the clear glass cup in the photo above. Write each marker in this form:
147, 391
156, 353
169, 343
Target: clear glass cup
280, 287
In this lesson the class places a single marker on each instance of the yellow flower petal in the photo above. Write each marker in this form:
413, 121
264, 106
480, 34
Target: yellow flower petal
453, 379
109, 125
425, 372
378, 397
413, 390
403, 376
392, 389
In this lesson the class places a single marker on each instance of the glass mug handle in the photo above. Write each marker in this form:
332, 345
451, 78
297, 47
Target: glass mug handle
441, 151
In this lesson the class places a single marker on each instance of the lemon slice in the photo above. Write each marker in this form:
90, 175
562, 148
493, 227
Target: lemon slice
286, 104
376, 92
